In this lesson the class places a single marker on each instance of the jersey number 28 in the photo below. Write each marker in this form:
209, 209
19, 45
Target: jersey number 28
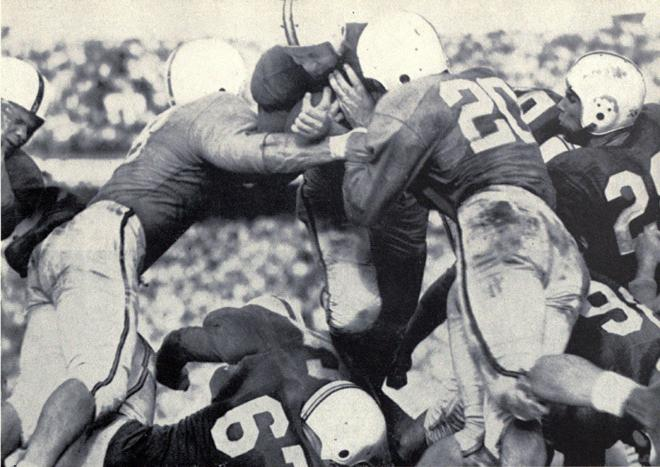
481, 125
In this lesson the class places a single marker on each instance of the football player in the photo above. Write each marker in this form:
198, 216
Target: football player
607, 191
22, 115
280, 397
88, 270
30, 210
599, 386
457, 142
372, 275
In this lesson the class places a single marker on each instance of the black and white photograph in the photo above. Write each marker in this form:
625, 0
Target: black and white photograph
330, 233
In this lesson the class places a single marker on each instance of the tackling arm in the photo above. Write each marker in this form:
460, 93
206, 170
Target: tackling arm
370, 188
572, 380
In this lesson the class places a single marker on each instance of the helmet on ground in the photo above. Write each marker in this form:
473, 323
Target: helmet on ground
23, 85
347, 422
400, 47
203, 66
611, 90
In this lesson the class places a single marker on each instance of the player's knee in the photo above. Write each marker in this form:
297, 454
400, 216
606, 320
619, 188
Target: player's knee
109, 388
354, 313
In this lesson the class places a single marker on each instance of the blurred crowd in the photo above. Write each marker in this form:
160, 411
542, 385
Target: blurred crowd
103, 93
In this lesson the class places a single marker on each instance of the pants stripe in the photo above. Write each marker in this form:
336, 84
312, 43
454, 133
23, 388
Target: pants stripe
311, 225
127, 300
144, 372
460, 257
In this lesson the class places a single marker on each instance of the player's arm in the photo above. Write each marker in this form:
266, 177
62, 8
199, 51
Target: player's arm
540, 112
647, 250
22, 188
572, 203
188, 442
244, 150
397, 151
58, 206
227, 335
10, 217
572, 380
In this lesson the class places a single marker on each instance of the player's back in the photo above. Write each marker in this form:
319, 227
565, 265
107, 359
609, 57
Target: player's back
606, 195
165, 179
473, 135
275, 366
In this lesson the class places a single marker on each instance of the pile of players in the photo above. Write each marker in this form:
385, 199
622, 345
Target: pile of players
549, 307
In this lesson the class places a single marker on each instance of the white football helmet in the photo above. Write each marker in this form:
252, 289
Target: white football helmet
23, 85
347, 422
300, 20
611, 89
203, 66
400, 47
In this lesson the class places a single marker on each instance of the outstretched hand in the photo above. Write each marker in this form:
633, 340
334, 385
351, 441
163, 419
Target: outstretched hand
355, 102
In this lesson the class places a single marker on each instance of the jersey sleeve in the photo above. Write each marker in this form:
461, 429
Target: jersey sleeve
236, 146
540, 112
572, 203
227, 335
188, 442
398, 151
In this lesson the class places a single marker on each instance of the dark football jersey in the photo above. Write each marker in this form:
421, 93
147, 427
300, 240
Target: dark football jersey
275, 365
192, 154
617, 334
606, 195
540, 112
445, 137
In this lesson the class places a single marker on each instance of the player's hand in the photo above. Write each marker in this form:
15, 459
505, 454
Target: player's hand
519, 401
178, 382
356, 103
315, 121
642, 405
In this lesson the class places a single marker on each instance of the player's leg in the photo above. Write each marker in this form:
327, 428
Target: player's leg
350, 297
95, 295
41, 369
398, 249
522, 443
430, 313
509, 244
90, 449
468, 377
11, 430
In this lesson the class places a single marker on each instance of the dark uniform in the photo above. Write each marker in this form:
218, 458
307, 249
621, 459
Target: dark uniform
606, 195
616, 334
254, 418
396, 244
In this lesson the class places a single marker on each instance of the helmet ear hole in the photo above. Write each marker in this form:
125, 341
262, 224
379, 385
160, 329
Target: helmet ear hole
600, 116
343, 454
404, 78
222, 89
